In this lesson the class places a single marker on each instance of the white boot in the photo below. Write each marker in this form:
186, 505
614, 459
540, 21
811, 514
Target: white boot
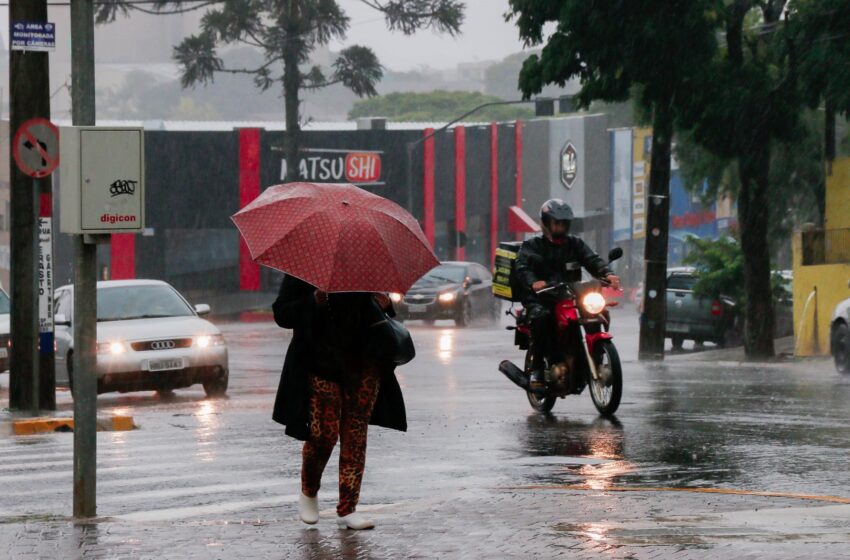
308, 509
355, 521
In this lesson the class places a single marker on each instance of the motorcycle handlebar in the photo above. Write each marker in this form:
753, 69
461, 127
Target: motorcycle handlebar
560, 285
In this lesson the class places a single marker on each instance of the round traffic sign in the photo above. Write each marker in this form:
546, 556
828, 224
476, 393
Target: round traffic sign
36, 148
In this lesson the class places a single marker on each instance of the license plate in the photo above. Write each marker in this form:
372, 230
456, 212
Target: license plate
4, 353
165, 365
678, 327
417, 308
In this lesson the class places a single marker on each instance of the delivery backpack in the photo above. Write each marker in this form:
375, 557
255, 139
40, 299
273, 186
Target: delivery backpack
506, 284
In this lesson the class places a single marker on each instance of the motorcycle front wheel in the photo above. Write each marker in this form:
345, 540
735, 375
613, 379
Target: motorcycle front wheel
540, 403
607, 390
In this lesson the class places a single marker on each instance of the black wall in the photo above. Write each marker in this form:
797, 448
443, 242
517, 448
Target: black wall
192, 189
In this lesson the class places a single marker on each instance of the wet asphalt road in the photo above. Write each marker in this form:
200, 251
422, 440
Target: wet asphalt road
687, 423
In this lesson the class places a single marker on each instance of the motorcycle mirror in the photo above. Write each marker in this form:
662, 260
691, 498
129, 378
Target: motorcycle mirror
615, 254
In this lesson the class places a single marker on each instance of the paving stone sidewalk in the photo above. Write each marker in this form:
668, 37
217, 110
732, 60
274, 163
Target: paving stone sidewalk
494, 523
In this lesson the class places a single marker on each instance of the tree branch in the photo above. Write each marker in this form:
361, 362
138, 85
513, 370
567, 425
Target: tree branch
315, 86
163, 12
410, 15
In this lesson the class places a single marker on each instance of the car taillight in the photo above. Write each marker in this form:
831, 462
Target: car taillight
716, 308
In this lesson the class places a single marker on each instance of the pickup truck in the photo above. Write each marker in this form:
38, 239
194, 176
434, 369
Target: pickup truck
698, 319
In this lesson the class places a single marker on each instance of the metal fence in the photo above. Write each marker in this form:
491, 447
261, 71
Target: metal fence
830, 246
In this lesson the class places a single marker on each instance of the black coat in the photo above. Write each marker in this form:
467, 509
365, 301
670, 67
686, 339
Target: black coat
294, 309
540, 259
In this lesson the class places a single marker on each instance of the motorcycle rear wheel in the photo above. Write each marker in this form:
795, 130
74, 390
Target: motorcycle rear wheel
607, 391
541, 403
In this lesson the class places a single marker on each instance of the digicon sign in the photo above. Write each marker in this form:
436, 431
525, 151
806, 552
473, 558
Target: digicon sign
163, 345
338, 166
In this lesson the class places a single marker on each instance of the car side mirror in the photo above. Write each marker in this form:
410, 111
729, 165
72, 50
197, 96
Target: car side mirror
202, 309
615, 254
61, 320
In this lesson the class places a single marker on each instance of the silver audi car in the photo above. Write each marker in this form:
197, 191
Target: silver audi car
148, 339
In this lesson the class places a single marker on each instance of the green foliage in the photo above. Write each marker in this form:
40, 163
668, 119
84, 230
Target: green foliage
436, 106
720, 270
720, 267
796, 176
612, 46
816, 36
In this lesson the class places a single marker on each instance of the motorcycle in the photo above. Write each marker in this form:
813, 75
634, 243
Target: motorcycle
582, 352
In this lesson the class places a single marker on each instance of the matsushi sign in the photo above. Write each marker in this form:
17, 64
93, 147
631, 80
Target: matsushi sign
359, 167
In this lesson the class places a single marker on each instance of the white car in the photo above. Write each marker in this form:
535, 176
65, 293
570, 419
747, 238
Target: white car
148, 338
840, 336
5, 330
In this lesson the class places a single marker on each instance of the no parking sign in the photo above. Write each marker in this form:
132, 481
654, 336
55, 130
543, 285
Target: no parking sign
36, 148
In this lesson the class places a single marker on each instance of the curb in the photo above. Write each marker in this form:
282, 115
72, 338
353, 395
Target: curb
33, 426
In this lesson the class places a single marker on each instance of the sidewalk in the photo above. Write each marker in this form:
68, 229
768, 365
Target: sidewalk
784, 349
463, 524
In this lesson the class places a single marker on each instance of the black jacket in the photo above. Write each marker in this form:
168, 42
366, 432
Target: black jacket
295, 309
540, 259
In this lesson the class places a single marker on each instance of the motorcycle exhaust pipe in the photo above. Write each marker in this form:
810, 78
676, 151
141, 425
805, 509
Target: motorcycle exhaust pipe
515, 374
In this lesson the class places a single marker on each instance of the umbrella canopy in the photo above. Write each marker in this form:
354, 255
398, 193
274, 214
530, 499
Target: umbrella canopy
336, 237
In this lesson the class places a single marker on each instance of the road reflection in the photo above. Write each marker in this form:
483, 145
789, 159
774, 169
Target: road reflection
207, 414
583, 453
446, 345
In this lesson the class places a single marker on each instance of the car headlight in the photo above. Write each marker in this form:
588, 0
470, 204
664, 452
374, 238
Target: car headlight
395, 297
209, 340
114, 347
593, 303
447, 298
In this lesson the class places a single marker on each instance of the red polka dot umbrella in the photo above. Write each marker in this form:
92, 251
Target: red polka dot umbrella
337, 237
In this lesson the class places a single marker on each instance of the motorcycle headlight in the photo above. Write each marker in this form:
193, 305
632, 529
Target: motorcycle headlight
448, 297
593, 303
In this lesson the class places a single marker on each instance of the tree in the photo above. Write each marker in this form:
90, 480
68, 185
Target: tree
436, 106
287, 32
742, 103
796, 178
819, 42
614, 49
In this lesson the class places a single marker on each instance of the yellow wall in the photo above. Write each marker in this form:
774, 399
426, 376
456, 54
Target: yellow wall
838, 195
640, 180
811, 324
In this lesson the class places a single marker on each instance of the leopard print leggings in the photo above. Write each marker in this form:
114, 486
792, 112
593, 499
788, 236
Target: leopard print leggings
338, 413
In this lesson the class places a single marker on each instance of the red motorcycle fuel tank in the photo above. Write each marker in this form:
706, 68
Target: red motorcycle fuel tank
566, 312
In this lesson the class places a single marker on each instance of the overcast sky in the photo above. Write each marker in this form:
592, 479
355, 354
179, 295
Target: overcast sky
485, 36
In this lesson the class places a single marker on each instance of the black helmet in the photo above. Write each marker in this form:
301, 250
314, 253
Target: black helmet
555, 209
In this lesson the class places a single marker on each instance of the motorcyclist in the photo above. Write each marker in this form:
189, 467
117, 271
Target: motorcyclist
552, 257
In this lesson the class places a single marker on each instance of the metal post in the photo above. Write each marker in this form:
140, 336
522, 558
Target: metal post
85, 274
85, 380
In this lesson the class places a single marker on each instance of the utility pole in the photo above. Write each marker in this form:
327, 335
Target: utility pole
85, 278
651, 344
29, 98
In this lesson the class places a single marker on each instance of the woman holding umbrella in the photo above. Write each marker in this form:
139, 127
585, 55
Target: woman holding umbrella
342, 248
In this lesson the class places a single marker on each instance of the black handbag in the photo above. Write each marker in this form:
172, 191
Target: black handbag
393, 340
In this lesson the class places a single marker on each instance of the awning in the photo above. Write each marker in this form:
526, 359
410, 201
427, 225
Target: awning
520, 222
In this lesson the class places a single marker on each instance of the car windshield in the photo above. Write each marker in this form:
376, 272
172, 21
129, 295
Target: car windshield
445, 273
140, 302
681, 282
5, 306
